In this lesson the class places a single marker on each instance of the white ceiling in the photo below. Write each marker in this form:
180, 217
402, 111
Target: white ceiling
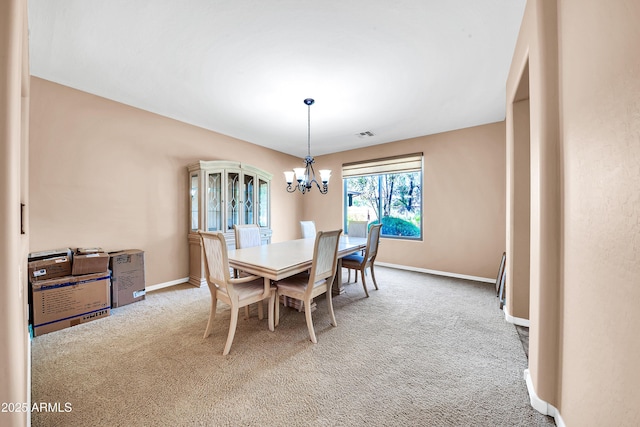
397, 68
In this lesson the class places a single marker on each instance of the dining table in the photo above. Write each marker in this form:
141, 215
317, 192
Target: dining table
280, 260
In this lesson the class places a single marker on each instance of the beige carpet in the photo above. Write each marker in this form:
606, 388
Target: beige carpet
422, 351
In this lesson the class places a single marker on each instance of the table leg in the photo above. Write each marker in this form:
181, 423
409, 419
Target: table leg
337, 287
272, 302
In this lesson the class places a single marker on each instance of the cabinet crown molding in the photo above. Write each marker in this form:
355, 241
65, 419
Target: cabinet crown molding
228, 164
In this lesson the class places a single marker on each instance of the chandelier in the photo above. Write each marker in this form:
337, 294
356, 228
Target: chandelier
306, 176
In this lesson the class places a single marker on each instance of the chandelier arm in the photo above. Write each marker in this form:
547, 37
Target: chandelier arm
311, 174
312, 179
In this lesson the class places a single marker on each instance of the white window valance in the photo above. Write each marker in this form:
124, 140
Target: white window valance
395, 164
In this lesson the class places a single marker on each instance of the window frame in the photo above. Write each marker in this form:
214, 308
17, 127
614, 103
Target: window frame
410, 163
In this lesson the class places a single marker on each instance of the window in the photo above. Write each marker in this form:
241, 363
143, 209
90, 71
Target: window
387, 190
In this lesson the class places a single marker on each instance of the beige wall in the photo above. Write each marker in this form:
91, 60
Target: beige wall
585, 151
105, 174
463, 200
108, 175
600, 93
536, 52
14, 119
519, 210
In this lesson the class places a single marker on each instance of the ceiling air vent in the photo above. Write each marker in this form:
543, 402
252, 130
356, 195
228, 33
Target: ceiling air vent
365, 134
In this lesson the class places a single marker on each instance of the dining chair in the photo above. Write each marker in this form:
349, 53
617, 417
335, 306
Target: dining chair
360, 262
305, 286
236, 293
308, 229
246, 236
357, 228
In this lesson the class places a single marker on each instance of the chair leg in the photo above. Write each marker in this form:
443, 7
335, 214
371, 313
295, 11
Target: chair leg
307, 315
364, 282
330, 306
373, 276
348, 275
212, 315
233, 323
246, 312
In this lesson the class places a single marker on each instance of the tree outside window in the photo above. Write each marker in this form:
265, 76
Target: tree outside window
395, 199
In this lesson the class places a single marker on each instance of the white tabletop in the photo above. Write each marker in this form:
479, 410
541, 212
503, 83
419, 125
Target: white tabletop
279, 260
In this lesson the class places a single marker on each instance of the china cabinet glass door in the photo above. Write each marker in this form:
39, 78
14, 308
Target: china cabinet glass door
233, 199
214, 201
263, 203
248, 200
194, 200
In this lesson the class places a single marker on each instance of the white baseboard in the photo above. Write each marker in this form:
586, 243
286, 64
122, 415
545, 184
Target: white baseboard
515, 320
540, 405
436, 272
383, 264
166, 284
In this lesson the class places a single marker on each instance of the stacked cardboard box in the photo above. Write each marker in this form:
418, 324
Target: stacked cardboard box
37, 256
68, 301
49, 264
127, 277
89, 260
68, 290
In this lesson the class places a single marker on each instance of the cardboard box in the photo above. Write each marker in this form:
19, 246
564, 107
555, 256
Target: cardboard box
73, 321
85, 251
50, 268
127, 277
68, 301
37, 256
97, 262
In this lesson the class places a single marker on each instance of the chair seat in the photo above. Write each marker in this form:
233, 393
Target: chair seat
297, 283
353, 258
247, 290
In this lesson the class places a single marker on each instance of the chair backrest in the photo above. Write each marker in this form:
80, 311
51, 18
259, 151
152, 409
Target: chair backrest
358, 228
308, 229
372, 243
325, 256
247, 235
216, 258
